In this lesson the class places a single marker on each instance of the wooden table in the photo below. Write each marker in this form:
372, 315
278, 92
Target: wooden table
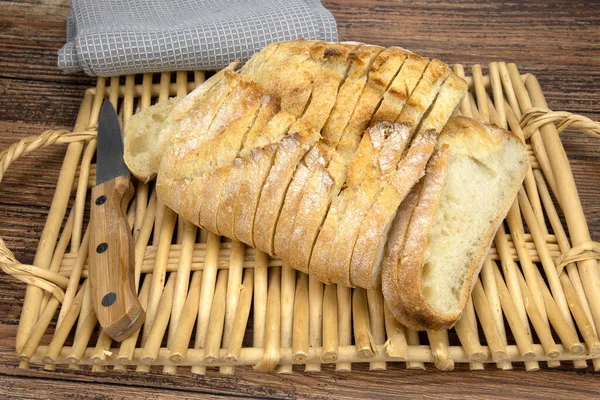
558, 41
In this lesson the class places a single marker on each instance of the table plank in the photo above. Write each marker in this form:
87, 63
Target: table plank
558, 41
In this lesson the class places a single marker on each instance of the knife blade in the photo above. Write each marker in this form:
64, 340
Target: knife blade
111, 255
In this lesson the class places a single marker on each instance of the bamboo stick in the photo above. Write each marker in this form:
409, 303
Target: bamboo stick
80, 197
315, 309
541, 326
160, 271
85, 326
63, 329
395, 346
260, 298
518, 329
362, 334
438, 341
536, 139
344, 299
273, 324
159, 326
207, 292
468, 336
547, 262
412, 338
38, 330
73, 285
564, 244
216, 321
512, 283
59, 252
490, 329
185, 326
488, 280
241, 318
376, 323
300, 348
330, 324
234, 286
181, 284
288, 283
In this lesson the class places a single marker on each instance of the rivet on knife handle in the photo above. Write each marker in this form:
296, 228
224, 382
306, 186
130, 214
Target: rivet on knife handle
111, 260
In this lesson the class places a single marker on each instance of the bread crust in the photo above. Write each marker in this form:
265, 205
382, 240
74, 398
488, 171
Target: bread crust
229, 197
332, 66
407, 303
290, 150
255, 170
401, 88
361, 60
287, 217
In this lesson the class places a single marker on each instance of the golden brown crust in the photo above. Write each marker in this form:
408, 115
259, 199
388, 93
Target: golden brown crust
257, 165
403, 283
290, 151
381, 73
293, 196
331, 68
361, 60
394, 245
401, 88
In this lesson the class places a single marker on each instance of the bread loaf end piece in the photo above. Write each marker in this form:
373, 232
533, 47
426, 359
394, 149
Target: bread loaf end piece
468, 190
141, 133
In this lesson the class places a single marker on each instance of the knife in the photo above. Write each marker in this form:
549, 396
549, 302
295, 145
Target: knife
111, 256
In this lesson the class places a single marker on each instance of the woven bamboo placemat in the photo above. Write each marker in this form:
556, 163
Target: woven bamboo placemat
213, 303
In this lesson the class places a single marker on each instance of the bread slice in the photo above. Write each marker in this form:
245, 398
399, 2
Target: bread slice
468, 190
317, 155
246, 104
288, 74
333, 66
361, 60
365, 268
256, 166
401, 88
254, 139
290, 151
140, 137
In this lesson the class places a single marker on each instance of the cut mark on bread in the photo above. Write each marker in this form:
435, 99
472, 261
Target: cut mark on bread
290, 152
401, 88
211, 199
257, 166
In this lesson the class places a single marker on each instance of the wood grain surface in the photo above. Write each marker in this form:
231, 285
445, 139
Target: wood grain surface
558, 41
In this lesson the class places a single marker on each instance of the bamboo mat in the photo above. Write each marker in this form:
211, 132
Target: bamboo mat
216, 304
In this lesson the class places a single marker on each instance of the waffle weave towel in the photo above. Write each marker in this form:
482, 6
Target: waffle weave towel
115, 37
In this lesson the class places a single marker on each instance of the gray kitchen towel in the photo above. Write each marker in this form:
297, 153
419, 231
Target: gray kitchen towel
115, 37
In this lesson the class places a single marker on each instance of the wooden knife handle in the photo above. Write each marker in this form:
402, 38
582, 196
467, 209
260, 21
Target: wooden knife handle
111, 260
